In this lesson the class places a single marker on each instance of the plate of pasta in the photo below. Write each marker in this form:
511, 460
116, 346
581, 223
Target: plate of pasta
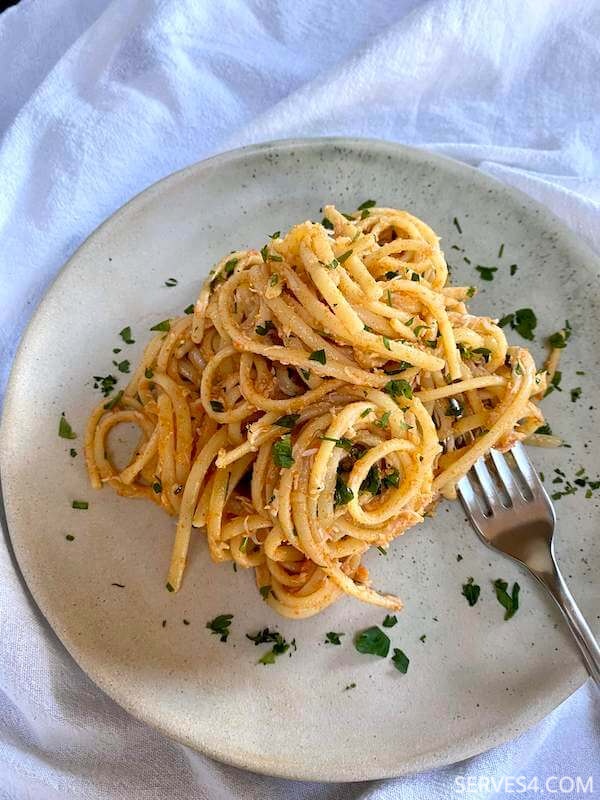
280, 363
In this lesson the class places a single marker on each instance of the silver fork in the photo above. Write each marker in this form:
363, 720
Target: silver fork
511, 511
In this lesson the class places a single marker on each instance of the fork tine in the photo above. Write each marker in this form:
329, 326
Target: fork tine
506, 475
470, 500
488, 488
525, 466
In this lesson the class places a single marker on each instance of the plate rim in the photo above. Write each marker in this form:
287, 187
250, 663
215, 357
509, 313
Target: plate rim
532, 714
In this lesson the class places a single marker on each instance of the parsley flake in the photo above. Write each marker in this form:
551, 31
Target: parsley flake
373, 641
400, 660
125, 334
65, 431
319, 356
287, 421
509, 601
366, 204
282, 452
220, 626
165, 325
398, 388
486, 273
471, 591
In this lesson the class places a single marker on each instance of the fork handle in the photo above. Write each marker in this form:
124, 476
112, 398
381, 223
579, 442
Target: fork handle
590, 650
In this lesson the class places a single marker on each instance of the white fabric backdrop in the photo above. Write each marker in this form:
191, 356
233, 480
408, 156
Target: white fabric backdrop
100, 98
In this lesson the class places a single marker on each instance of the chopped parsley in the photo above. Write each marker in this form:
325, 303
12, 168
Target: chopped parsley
189, 309
373, 641
327, 224
230, 266
69, 537
263, 329
545, 430
265, 591
318, 355
171, 282
509, 601
389, 621
165, 325
386, 343
287, 421
263, 637
372, 483
391, 479
115, 401
217, 406
82, 505
383, 422
220, 626
513, 268
422, 637
125, 334
106, 384
148, 373
350, 686
391, 275
279, 648
344, 443
554, 383
471, 591
575, 394
169, 588
523, 321
275, 235
157, 486
366, 204
471, 291
560, 338
486, 273
72, 452
333, 638
344, 257
415, 277
342, 495
398, 388
122, 366
266, 256
457, 225
400, 660
282, 452
65, 431
501, 251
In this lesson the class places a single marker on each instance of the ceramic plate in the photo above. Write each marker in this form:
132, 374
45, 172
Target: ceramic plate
475, 680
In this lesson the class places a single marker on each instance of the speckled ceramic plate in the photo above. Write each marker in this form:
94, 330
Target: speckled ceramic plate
475, 680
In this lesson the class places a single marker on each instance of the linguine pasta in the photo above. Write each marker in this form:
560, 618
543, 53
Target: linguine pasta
324, 393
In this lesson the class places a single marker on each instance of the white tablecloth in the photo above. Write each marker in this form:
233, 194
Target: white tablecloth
99, 99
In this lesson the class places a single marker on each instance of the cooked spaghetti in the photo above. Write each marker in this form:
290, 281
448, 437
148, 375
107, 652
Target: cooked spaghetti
325, 391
